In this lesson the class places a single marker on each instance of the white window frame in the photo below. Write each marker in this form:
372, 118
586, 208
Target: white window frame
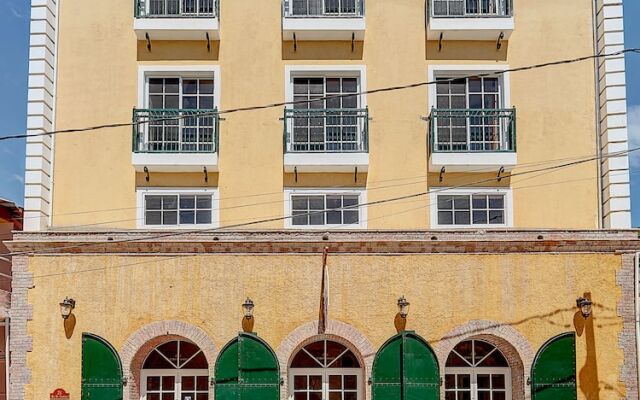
454, 71
177, 373
325, 372
177, 71
326, 71
159, 191
475, 371
438, 191
362, 199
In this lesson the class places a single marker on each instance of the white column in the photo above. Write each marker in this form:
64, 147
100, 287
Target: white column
40, 114
616, 192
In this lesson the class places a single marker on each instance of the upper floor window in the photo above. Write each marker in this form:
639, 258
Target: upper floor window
471, 208
472, 8
327, 115
180, 93
477, 93
318, 8
173, 208
318, 209
177, 8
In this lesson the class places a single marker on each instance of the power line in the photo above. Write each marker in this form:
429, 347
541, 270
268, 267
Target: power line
287, 103
355, 206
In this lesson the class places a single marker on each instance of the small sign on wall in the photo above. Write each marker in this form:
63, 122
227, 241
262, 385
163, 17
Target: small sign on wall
59, 394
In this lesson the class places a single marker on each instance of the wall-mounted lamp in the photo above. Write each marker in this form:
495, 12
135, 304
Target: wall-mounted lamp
248, 308
403, 307
66, 307
585, 306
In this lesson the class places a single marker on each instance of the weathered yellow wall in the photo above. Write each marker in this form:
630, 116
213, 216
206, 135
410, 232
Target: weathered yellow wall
97, 83
116, 296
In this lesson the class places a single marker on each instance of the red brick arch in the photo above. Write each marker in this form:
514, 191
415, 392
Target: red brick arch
340, 332
513, 345
138, 346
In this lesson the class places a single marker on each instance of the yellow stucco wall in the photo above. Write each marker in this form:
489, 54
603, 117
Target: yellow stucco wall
115, 295
97, 83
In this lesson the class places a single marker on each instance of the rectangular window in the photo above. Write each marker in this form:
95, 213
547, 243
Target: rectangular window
180, 97
326, 124
465, 208
318, 209
324, 7
180, 209
469, 116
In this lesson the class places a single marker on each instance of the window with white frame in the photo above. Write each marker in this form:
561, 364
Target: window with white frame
471, 209
331, 124
468, 116
319, 209
190, 208
191, 101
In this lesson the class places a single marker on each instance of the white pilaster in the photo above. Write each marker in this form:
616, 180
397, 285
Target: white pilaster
40, 114
612, 114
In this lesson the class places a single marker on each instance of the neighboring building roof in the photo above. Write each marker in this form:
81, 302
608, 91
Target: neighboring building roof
11, 212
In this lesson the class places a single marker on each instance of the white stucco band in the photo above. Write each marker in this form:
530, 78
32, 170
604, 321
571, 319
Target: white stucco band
612, 115
40, 114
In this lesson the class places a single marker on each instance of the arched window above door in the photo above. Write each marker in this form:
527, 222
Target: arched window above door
476, 369
326, 370
177, 354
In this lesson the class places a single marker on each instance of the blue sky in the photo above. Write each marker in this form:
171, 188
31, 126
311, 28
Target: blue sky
14, 26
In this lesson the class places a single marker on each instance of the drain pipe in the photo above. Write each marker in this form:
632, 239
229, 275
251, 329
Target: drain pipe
596, 76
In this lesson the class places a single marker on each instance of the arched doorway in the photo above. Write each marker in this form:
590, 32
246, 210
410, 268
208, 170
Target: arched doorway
326, 370
477, 370
175, 370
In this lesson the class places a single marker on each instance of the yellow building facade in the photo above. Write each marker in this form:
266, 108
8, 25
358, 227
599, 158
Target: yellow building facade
331, 161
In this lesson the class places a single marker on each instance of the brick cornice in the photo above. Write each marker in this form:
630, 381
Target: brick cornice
345, 242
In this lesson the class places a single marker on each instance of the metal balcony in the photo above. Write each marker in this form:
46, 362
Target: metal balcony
326, 140
323, 20
168, 140
177, 19
465, 139
470, 19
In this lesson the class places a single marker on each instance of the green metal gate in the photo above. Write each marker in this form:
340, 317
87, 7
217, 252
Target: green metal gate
405, 368
247, 369
553, 375
101, 370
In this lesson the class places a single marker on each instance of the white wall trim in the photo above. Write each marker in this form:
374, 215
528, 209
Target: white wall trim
195, 71
362, 218
215, 206
454, 70
508, 206
611, 108
40, 114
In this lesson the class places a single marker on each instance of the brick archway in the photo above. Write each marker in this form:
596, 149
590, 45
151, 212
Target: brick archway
340, 332
138, 346
513, 345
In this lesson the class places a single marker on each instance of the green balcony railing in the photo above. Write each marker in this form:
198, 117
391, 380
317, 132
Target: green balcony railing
175, 131
473, 130
323, 8
176, 8
471, 8
340, 130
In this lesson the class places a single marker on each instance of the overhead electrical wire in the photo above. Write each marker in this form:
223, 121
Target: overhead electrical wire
288, 103
355, 206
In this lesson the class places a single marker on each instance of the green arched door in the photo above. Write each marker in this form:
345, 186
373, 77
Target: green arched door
247, 369
405, 368
553, 374
101, 370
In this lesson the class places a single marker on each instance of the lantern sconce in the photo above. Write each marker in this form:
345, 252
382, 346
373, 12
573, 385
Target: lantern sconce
248, 308
66, 307
403, 307
585, 306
